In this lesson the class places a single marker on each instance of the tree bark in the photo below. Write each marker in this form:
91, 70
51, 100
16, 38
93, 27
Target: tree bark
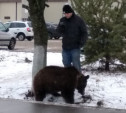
36, 11
107, 63
39, 60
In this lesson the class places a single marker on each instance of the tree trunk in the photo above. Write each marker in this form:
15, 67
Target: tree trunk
39, 59
36, 11
107, 63
107, 66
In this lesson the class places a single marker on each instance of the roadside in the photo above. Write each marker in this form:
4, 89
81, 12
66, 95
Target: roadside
16, 106
28, 46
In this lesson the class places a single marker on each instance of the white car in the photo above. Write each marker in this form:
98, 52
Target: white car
20, 29
6, 39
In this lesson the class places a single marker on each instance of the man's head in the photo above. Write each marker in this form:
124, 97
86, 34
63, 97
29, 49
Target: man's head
68, 11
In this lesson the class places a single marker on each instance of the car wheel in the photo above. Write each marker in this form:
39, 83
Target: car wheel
21, 37
29, 38
12, 44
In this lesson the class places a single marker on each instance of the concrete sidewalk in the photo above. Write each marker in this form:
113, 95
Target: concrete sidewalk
17, 106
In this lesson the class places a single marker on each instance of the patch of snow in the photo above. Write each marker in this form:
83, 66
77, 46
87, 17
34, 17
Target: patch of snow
16, 80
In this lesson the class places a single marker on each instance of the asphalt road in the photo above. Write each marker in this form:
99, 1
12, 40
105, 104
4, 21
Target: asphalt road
28, 46
16, 106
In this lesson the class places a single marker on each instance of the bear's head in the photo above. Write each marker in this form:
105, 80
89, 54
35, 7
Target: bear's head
82, 83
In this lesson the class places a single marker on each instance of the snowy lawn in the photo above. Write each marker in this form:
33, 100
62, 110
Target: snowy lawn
16, 77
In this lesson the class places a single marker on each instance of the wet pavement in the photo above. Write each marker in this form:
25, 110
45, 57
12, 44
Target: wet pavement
28, 46
18, 106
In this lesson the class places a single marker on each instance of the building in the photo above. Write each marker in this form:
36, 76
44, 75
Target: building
54, 12
11, 10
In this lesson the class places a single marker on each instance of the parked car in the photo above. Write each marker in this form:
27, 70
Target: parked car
6, 39
51, 28
21, 30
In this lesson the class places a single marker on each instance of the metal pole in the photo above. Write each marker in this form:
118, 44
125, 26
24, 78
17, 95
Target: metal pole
16, 11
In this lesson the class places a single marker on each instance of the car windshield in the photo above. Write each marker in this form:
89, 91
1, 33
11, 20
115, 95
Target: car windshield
7, 25
2, 28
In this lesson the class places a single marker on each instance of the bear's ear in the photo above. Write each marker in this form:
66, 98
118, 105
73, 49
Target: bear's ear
87, 77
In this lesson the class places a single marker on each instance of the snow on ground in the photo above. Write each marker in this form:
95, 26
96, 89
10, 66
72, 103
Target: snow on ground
16, 77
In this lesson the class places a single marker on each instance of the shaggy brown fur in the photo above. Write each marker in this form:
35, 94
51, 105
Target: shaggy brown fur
52, 79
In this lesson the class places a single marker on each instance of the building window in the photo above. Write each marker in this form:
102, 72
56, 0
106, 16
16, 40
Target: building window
24, 19
7, 17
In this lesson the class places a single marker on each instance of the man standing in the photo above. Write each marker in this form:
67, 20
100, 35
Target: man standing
74, 33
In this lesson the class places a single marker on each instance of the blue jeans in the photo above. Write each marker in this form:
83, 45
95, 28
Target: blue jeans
71, 58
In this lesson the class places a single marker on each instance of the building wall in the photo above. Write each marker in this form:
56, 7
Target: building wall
54, 12
8, 9
10, 0
24, 12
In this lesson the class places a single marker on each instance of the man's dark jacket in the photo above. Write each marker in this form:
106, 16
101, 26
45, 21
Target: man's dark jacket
74, 32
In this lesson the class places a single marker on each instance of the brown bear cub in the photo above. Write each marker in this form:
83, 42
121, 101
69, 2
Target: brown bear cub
53, 79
